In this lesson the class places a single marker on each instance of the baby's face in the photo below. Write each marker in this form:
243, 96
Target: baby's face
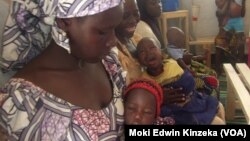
140, 108
149, 55
176, 37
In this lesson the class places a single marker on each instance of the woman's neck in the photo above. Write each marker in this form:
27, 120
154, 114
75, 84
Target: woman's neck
148, 20
123, 40
129, 45
64, 60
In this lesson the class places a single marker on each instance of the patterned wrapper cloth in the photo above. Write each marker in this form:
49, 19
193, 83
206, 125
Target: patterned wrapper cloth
28, 27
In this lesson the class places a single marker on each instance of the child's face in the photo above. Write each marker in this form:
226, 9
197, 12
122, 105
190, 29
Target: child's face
149, 55
140, 108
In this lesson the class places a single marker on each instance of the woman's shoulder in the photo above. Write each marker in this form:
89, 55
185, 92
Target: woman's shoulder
20, 85
142, 25
20, 93
136, 38
144, 30
19, 90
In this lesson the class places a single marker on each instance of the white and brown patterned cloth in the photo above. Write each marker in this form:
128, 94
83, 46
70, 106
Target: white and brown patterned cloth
29, 25
30, 113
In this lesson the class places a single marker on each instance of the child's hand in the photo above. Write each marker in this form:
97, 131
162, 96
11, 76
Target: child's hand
192, 72
173, 96
187, 58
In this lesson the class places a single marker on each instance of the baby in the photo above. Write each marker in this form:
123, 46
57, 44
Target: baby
186, 60
202, 74
142, 100
198, 108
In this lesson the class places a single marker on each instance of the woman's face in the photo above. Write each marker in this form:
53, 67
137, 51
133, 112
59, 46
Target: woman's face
153, 8
131, 17
149, 55
140, 108
92, 37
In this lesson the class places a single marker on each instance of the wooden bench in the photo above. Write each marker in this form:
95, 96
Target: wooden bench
238, 85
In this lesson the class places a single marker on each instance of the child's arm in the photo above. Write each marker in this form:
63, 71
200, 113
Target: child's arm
183, 65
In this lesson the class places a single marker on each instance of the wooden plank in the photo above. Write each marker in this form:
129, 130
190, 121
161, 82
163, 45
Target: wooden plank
230, 103
238, 89
203, 40
175, 14
245, 73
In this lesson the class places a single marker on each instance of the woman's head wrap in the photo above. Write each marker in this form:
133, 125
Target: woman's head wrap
78, 8
149, 85
27, 30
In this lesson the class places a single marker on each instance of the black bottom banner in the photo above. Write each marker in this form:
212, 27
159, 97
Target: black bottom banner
163, 132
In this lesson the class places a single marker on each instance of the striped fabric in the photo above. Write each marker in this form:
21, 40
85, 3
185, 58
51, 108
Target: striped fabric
31, 114
26, 32
78, 8
28, 28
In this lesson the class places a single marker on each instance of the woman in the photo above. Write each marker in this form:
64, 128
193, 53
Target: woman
71, 91
230, 40
150, 11
127, 41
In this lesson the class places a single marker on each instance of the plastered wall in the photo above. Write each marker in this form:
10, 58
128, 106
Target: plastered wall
207, 24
